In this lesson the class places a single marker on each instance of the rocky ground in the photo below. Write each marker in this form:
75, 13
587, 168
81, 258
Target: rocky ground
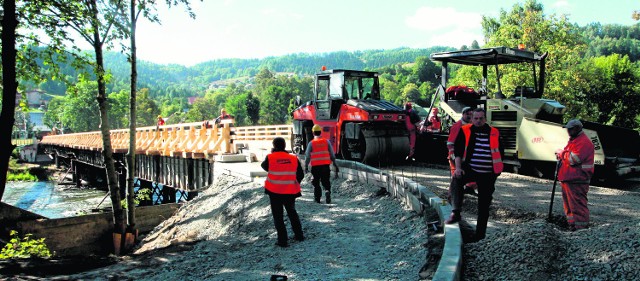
227, 233
522, 245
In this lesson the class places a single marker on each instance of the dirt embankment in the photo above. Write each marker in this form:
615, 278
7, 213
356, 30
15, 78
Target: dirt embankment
227, 233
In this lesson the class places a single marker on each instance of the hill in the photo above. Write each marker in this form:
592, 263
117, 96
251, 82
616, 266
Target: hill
175, 80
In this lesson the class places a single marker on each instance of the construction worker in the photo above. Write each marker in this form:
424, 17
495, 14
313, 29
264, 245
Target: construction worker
467, 113
284, 174
410, 121
478, 159
434, 121
575, 173
320, 155
223, 116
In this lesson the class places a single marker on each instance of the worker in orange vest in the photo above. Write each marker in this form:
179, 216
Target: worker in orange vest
284, 174
320, 155
478, 158
467, 113
575, 173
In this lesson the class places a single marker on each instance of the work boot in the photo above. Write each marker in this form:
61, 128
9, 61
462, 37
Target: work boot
470, 191
328, 197
453, 218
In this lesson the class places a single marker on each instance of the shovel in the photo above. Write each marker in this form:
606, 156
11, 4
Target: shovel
553, 191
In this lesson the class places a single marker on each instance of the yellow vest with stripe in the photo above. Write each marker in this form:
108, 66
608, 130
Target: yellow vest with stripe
494, 145
281, 177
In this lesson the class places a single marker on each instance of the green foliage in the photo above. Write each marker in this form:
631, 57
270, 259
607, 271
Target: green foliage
253, 109
141, 195
26, 247
77, 111
19, 173
146, 109
609, 89
21, 176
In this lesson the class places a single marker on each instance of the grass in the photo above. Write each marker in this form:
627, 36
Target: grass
24, 176
19, 173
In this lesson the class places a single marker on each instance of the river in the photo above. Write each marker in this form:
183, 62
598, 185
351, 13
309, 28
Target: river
54, 201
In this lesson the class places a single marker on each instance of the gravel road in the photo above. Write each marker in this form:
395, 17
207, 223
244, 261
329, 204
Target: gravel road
522, 245
227, 233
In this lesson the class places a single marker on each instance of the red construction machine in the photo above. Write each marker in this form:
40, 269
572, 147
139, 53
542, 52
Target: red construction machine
360, 126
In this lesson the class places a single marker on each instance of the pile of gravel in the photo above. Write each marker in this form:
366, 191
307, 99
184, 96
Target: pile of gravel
537, 250
227, 233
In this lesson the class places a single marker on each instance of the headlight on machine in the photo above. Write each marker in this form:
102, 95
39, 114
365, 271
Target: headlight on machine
375, 117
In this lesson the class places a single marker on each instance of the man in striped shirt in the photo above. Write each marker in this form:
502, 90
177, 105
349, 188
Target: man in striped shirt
477, 159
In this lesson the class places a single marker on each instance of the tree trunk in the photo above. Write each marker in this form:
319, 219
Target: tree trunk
9, 89
131, 156
107, 151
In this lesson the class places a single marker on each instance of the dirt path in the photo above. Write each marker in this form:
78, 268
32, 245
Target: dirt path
227, 233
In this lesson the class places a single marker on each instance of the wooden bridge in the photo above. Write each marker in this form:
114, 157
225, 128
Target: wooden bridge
173, 161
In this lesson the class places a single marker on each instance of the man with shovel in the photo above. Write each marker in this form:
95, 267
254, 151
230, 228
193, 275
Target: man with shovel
575, 173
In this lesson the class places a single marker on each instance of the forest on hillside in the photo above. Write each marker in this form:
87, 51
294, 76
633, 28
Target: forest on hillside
593, 70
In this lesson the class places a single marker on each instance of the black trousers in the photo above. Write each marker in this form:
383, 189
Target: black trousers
486, 186
321, 173
279, 202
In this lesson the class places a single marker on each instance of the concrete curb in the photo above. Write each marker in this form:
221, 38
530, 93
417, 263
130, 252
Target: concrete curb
418, 197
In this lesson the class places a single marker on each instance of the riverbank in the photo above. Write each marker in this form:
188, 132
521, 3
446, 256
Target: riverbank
23, 171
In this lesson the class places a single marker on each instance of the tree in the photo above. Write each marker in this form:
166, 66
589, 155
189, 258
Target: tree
76, 111
9, 87
205, 108
410, 93
253, 109
609, 91
99, 22
274, 102
426, 70
475, 45
118, 110
146, 109
526, 24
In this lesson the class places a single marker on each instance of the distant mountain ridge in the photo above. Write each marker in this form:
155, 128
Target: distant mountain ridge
183, 81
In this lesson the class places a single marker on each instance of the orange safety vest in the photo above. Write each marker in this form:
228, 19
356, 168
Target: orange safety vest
453, 134
281, 177
320, 152
577, 160
494, 145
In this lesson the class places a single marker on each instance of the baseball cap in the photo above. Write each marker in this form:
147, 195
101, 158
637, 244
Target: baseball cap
466, 109
573, 123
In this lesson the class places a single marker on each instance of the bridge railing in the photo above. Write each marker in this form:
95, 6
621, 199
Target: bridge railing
185, 140
21, 142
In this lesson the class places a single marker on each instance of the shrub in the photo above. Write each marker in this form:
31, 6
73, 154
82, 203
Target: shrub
24, 176
24, 248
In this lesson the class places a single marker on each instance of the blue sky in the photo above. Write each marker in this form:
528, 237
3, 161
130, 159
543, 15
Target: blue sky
257, 29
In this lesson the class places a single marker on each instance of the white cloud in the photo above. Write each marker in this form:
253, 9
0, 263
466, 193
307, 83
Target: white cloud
455, 38
270, 11
561, 4
434, 19
281, 15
